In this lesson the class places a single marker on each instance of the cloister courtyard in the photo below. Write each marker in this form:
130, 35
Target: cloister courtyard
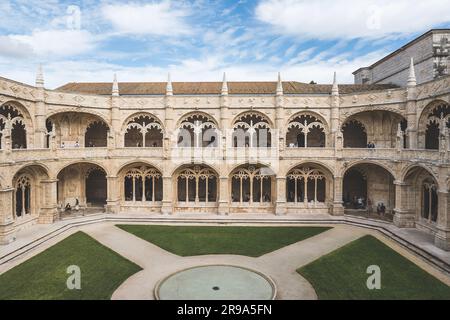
129, 260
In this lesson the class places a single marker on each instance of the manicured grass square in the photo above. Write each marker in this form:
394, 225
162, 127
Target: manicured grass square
342, 274
246, 241
44, 276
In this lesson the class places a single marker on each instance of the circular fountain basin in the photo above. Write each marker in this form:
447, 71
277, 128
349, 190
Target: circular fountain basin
216, 283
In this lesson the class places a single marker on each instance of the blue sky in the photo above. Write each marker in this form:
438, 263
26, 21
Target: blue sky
198, 40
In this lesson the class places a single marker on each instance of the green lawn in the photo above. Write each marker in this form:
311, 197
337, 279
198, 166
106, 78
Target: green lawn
342, 274
248, 241
44, 276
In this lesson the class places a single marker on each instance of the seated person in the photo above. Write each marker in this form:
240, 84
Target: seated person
68, 207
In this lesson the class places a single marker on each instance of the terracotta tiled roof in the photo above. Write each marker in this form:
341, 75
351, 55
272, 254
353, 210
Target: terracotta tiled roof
188, 88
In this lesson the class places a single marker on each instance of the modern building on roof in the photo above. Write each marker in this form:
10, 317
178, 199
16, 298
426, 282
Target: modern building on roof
431, 54
229, 148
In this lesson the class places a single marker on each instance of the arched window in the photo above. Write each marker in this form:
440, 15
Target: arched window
355, 135
305, 185
197, 131
143, 184
429, 201
11, 118
96, 135
23, 196
252, 130
437, 119
251, 185
197, 184
305, 131
144, 131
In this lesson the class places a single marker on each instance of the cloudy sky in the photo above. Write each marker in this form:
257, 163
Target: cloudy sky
197, 40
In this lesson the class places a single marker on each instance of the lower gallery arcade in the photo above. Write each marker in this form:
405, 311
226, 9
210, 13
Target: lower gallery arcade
248, 188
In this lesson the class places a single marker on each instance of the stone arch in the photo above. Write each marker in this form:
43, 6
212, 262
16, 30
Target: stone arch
259, 113
83, 184
28, 196
189, 114
92, 162
421, 193
368, 187
79, 110
142, 129
252, 185
196, 185
307, 129
141, 184
139, 161
197, 129
72, 128
252, 129
15, 117
406, 170
435, 115
380, 126
309, 185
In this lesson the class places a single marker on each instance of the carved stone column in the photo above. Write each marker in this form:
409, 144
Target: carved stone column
168, 194
280, 208
113, 197
403, 216
7, 229
224, 208
49, 210
442, 237
337, 207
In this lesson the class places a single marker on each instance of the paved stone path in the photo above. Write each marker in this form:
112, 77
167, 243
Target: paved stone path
280, 265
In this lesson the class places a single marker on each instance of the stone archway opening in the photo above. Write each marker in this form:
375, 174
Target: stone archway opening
143, 131
141, 188
369, 190
421, 193
252, 189
197, 188
76, 129
12, 121
82, 188
252, 130
379, 127
306, 131
28, 195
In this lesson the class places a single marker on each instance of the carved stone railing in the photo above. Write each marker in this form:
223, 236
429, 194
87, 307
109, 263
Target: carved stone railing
217, 155
314, 153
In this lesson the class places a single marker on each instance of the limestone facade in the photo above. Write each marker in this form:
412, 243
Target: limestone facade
431, 53
275, 153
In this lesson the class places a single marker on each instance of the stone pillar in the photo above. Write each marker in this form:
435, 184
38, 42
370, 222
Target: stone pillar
169, 126
403, 216
411, 117
337, 207
224, 196
40, 129
280, 206
113, 197
442, 237
49, 210
116, 123
168, 194
7, 229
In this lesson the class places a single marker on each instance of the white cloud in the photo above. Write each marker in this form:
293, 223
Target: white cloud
52, 43
333, 19
160, 19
